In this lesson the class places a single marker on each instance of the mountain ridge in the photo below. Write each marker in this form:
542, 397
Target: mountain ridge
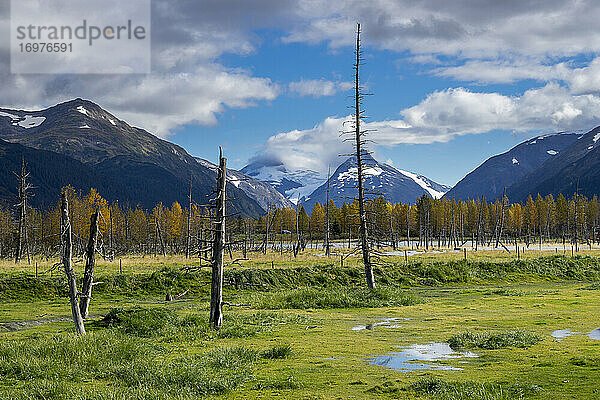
576, 169
155, 169
506, 169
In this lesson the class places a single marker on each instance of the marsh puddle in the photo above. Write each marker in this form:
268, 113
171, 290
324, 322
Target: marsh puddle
416, 252
561, 334
385, 322
595, 334
564, 333
408, 359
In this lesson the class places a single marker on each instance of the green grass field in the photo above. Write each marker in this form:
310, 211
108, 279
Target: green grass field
293, 336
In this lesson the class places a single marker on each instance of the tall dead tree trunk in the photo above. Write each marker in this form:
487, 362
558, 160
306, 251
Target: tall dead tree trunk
576, 214
408, 226
266, 230
501, 226
298, 240
23, 188
479, 222
327, 247
111, 239
90, 263
67, 248
280, 233
189, 223
359, 141
218, 250
160, 236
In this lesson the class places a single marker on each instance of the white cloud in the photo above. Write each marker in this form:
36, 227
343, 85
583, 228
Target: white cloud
485, 30
318, 87
453, 112
504, 71
160, 102
423, 59
492, 42
323, 145
586, 79
187, 84
440, 117
312, 149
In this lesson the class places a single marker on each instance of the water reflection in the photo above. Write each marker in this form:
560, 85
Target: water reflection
408, 359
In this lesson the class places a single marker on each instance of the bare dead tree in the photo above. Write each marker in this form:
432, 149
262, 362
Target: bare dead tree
575, 238
24, 188
298, 246
479, 223
359, 142
501, 225
327, 246
110, 237
90, 263
159, 233
189, 222
67, 248
267, 227
408, 226
218, 248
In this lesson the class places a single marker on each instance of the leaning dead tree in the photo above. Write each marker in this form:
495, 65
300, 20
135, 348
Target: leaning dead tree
90, 263
360, 151
24, 188
67, 249
218, 248
500, 226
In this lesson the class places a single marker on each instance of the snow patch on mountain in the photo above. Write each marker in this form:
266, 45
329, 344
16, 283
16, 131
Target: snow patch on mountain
27, 121
30, 121
302, 192
82, 110
352, 173
419, 180
264, 194
293, 185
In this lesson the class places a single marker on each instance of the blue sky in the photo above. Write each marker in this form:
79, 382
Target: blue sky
395, 82
453, 82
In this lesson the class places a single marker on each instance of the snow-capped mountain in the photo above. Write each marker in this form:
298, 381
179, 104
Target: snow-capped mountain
148, 169
262, 192
380, 180
291, 184
509, 168
576, 167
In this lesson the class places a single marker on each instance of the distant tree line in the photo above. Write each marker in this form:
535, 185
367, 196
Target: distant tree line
179, 230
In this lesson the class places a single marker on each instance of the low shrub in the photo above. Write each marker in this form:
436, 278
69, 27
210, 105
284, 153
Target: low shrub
166, 323
339, 297
490, 341
440, 389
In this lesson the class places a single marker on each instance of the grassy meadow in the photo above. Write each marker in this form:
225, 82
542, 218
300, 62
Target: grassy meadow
305, 328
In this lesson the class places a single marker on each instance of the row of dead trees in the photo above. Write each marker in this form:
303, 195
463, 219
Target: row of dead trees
27, 232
